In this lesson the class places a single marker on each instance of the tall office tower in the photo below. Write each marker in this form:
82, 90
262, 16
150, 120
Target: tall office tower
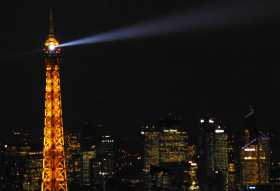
166, 155
88, 158
105, 154
103, 167
151, 136
173, 142
192, 181
255, 160
73, 152
232, 180
54, 165
213, 156
151, 147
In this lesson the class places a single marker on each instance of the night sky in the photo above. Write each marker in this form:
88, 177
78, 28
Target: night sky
122, 85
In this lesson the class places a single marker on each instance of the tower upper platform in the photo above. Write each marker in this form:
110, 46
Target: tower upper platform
51, 44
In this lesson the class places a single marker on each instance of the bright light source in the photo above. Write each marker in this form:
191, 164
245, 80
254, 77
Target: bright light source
170, 130
219, 131
51, 47
192, 163
250, 149
201, 120
211, 121
252, 187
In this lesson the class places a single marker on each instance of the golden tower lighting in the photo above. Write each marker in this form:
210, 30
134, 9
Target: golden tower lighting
54, 167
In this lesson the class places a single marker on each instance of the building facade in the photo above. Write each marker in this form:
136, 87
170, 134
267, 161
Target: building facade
255, 160
213, 155
166, 156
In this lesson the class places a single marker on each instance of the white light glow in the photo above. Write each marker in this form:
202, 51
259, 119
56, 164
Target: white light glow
250, 149
219, 131
170, 130
252, 187
51, 47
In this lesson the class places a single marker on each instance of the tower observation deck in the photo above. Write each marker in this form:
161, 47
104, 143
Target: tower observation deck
54, 165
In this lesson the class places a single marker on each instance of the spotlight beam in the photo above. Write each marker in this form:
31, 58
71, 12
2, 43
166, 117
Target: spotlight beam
208, 16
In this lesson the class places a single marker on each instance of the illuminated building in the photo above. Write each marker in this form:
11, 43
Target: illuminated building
88, 157
166, 154
213, 156
192, 181
73, 162
33, 171
89, 165
232, 168
231, 176
151, 147
173, 145
13, 168
151, 136
14, 155
106, 155
22, 163
54, 164
255, 160
103, 163
163, 144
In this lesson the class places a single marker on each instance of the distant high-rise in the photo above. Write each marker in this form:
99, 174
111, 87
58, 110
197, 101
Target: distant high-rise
213, 155
166, 155
73, 162
232, 165
255, 159
106, 155
173, 143
151, 147
88, 158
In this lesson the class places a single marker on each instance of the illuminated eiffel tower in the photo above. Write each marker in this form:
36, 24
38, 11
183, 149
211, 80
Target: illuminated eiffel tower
54, 164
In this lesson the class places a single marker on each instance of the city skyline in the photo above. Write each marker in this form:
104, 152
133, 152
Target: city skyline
140, 96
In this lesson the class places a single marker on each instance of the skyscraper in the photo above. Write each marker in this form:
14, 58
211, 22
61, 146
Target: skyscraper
106, 155
166, 155
54, 165
213, 155
88, 159
255, 159
73, 152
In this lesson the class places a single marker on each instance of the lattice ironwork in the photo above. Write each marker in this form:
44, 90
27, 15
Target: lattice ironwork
54, 165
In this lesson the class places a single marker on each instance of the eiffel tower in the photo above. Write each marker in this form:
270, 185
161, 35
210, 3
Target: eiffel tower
54, 165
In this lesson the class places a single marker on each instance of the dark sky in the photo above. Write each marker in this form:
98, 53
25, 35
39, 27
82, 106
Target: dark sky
127, 83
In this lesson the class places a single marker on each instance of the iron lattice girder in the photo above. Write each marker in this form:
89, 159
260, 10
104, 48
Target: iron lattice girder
54, 167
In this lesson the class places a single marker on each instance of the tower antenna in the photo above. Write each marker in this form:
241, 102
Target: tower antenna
51, 23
